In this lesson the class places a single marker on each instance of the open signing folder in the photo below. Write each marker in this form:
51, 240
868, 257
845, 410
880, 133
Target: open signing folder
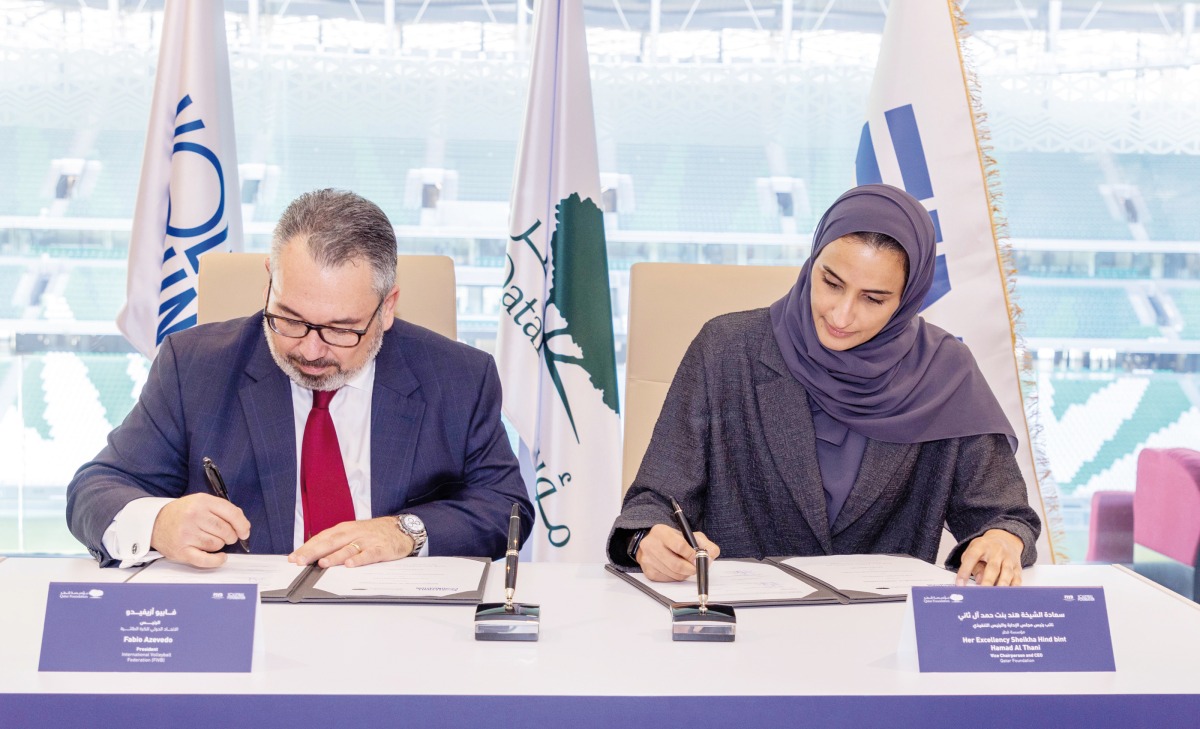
823, 580
450, 580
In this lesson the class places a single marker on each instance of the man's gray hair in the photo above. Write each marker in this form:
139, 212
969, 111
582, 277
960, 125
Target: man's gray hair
340, 227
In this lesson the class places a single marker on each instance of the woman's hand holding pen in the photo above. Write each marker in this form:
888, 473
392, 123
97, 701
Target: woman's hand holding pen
664, 554
194, 528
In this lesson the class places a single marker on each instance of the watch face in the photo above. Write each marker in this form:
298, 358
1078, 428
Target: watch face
413, 523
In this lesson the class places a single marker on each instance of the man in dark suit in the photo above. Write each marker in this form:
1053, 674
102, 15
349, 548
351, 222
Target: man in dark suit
345, 436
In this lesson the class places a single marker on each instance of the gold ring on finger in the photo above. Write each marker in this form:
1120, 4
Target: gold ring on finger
356, 547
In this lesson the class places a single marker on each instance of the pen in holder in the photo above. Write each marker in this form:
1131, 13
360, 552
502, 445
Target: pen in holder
509, 620
702, 621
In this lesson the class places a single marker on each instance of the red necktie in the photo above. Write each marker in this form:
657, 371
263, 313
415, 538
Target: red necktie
324, 490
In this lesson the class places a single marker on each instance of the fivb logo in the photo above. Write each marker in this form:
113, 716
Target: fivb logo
191, 162
914, 171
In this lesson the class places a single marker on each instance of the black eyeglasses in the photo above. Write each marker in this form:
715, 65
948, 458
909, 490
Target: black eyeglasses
299, 329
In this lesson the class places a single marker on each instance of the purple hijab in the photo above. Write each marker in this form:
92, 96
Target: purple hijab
913, 382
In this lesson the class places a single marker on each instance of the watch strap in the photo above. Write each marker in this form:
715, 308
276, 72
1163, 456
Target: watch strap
635, 541
419, 538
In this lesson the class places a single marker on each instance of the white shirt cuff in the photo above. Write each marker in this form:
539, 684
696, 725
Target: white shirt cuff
128, 537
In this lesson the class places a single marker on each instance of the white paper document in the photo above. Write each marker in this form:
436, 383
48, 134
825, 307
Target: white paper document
414, 577
268, 571
732, 581
880, 574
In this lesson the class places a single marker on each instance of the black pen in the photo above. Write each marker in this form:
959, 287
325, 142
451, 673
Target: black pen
701, 554
217, 484
510, 557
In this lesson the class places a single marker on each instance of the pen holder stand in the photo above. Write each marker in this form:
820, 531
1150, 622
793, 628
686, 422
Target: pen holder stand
716, 624
498, 621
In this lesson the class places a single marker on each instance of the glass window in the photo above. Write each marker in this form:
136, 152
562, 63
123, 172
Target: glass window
722, 138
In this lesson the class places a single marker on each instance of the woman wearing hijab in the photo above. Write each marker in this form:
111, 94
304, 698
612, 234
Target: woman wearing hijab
836, 421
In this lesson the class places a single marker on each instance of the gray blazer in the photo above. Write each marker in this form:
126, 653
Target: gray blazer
735, 446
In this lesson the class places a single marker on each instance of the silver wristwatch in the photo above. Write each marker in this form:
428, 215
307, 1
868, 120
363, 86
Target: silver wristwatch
412, 525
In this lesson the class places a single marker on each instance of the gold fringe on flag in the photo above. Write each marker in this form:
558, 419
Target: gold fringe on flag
1027, 376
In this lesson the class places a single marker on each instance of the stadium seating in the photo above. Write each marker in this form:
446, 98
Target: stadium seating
114, 379
1188, 303
10, 276
29, 150
1094, 427
680, 187
110, 375
1056, 195
33, 396
95, 293
485, 168
827, 173
373, 167
1167, 184
1074, 438
1073, 312
687, 185
1162, 404
1073, 392
115, 190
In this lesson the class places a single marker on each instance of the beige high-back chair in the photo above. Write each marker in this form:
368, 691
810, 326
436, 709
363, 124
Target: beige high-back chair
231, 285
668, 304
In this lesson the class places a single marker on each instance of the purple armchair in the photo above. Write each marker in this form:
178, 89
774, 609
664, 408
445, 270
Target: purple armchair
1110, 532
1166, 506
1162, 514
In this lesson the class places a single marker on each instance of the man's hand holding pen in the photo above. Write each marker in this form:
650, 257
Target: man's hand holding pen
193, 529
664, 554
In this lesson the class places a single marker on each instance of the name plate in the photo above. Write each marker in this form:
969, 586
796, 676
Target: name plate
149, 627
1000, 629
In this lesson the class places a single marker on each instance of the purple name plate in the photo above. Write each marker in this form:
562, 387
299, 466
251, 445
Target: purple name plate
149, 627
1002, 629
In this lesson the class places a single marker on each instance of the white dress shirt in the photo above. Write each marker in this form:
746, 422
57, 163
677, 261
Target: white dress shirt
350, 409
128, 537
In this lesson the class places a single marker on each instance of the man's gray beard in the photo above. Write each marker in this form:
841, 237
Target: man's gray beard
332, 381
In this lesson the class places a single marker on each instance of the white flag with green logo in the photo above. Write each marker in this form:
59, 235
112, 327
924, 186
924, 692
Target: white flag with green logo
555, 340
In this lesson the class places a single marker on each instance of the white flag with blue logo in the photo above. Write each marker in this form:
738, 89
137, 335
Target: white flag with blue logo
188, 199
555, 340
923, 134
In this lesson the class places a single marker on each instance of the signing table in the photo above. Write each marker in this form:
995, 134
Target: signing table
605, 658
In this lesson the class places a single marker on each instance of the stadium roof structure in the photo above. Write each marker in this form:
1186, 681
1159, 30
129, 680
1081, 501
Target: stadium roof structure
1051, 16
1014, 36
